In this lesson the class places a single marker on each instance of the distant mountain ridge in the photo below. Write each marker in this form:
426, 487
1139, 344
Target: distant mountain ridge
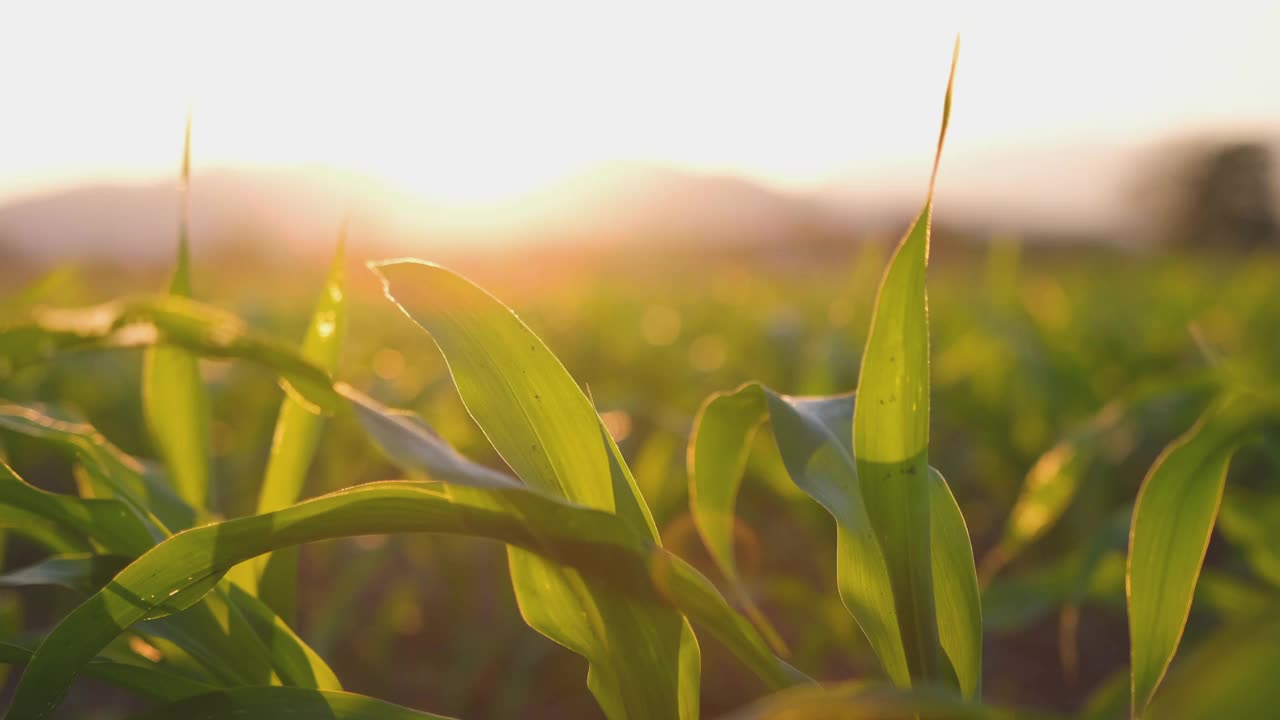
1055, 192
299, 210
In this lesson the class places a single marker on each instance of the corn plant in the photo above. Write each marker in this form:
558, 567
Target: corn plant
905, 568
585, 558
193, 611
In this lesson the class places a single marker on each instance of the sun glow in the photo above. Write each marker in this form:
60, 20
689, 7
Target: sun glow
473, 104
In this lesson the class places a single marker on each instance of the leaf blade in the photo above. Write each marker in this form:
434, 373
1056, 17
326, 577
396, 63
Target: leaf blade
582, 538
891, 432
546, 429
174, 401
297, 433
283, 702
1173, 519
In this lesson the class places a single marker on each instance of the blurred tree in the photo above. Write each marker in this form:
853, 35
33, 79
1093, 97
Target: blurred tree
1207, 194
1231, 202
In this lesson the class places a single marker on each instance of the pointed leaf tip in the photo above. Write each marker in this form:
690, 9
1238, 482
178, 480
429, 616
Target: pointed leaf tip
946, 115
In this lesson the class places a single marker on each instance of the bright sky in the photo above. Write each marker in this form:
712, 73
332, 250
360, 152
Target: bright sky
471, 101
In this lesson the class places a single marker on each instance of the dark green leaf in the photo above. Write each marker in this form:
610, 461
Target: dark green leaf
252, 703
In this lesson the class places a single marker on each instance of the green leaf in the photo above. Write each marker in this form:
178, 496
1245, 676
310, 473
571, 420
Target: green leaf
547, 431
298, 426
235, 638
108, 523
141, 679
1091, 571
1054, 480
955, 585
535, 416
154, 320
212, 332
718, 452
812, 435
1173, 519
111, 473
283, 702
223, 640
84, 572
412, 445
42, 532
174, 402
865, 701
292, 658
891, 434
590, 541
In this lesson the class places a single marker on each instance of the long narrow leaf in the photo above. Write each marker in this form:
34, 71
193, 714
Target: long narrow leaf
405, 438
223, 639
147, 681
1173, 518
174, 401
955, 585
107, 522
237, 639
274, 577
283, 702
546, 429
812, 435
83, 572
863, 701
590, 541
891, 434
111, 473
1055, 479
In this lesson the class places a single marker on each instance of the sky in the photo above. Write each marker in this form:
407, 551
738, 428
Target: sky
471, 102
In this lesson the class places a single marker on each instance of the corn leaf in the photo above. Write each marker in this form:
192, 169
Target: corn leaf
1054, 480
150, 682
865, 701
547, 431
891, 435
283, 702
107, 522
40, 531
955, 585
511, 383
1173, 519
812, 436
595, 543
236, 639
110, 472
174, 401
148, 321
208, 331
274, 577
83, 572
218, 633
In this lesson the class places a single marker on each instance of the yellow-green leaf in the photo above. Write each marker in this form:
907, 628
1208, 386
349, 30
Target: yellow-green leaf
813, 439
546, 429
174, 400
891, 435
274, 577
1173, 519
